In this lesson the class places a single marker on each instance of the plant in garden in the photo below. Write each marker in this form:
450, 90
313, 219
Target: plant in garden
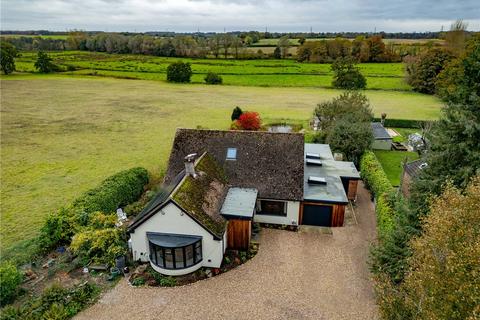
44, 63
8, 53
249, 120
236, 113
99, 245
213, 78
350, 137
346, 75
179, 72
350, 102
10, 279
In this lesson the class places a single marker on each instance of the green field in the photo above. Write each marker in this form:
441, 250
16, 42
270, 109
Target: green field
49, 36
392, 163
62, 135
267, 72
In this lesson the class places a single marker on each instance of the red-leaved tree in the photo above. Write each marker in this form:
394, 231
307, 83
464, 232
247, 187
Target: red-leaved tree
249, 120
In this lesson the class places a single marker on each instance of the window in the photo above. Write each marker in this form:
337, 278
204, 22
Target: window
272, 207
176, 258
231, 153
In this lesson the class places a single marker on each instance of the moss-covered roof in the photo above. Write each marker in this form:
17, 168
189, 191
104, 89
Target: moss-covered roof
201, 197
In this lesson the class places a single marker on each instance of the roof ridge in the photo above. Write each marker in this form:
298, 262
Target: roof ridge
240, 131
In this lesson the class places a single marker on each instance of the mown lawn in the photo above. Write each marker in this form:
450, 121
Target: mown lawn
266, 72
62, 135
392, 163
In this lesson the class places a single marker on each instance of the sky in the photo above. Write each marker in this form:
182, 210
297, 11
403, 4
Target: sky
238, 15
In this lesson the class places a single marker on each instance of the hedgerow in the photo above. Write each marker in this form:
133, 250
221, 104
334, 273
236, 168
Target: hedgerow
377, 182
401, 123
116, 191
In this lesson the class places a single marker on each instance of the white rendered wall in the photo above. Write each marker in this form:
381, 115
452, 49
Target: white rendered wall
293, 209
172, 220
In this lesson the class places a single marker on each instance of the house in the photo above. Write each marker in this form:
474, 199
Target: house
381, 139
410, 171
218, 183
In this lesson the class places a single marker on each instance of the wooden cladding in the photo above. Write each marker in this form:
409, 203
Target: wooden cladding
338, 212
238, 234
338, 215
352, 189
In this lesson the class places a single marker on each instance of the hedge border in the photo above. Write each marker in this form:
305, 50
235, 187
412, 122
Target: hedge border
402, 123
375, 179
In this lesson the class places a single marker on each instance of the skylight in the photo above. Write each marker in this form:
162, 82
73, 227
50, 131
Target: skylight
231, 153
312, 156
314, 162
317, 180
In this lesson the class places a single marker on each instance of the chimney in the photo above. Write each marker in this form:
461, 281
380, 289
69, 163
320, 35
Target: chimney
190, 165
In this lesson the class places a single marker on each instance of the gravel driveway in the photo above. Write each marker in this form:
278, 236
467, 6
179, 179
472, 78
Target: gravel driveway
295, 275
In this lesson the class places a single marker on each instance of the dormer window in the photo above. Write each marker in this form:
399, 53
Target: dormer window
232, 154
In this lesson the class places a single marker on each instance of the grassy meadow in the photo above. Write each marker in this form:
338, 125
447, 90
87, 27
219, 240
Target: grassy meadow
267, 72
62, 135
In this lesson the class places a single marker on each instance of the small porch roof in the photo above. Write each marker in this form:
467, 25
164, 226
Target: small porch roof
239, 202
168, 240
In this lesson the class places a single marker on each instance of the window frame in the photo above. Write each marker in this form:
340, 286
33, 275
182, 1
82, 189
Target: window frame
259, 208
155, 250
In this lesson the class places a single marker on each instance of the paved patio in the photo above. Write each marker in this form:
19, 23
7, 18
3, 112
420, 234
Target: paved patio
296, 275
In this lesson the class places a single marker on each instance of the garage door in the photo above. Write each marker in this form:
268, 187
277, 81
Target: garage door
317, 215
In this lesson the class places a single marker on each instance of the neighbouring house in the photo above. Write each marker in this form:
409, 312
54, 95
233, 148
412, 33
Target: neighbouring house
410, 171
218, 183
381, 138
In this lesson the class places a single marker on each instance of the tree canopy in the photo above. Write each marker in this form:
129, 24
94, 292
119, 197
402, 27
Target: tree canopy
346, 75
7, 57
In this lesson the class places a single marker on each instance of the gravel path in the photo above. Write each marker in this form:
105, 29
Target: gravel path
295, 275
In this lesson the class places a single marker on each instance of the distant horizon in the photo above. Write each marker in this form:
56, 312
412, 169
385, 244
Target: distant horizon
222, 31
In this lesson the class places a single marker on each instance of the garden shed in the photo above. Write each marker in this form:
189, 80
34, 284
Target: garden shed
381, 138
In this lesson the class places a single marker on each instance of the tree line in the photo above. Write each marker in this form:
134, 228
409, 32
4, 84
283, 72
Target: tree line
371, 49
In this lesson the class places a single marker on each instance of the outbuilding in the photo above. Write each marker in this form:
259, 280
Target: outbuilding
381, 138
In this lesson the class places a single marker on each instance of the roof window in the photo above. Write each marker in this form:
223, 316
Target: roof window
232, 154
317, 180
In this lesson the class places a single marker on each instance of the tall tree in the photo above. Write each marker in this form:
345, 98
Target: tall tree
7, 57
455, 38
346, 75
442, 277
284, 45
422, 71
44, 63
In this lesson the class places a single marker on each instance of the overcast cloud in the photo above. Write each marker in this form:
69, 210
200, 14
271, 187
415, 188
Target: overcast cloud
215, 15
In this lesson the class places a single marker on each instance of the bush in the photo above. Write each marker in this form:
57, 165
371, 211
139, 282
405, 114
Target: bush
55, 302
10, 279
58, 229
118, 190
346, 75
179, 72
236, 113
163, 281
99, 246
249, 120
213, 78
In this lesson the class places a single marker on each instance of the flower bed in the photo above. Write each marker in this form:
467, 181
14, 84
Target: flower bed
145, 275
